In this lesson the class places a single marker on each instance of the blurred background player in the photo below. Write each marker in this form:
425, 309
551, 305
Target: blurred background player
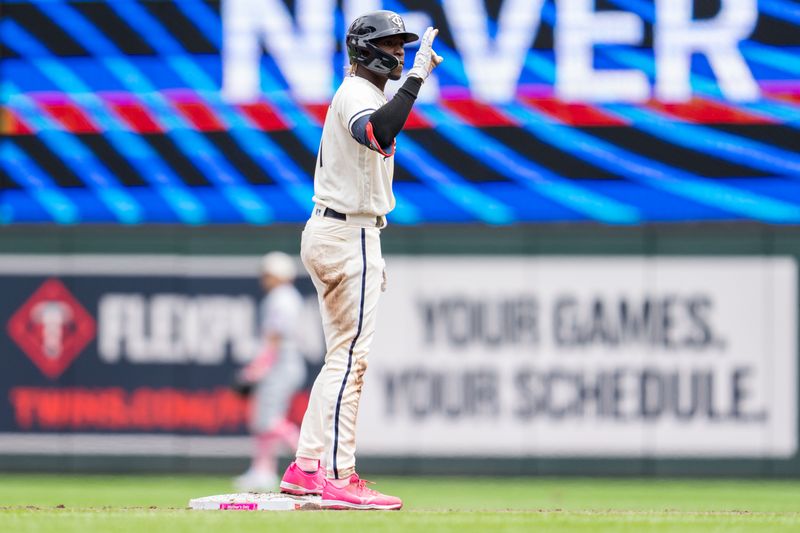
276, 373
341, 249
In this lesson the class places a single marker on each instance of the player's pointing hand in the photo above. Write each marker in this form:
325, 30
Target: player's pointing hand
426, 59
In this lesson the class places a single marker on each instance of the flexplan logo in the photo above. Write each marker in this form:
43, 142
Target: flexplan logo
52, 328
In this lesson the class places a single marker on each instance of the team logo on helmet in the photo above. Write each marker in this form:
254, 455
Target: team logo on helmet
396, 20
52, 328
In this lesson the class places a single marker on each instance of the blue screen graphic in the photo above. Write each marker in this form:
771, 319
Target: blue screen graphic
206, 111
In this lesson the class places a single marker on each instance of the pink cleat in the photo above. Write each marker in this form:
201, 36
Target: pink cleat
356, 495
300, 483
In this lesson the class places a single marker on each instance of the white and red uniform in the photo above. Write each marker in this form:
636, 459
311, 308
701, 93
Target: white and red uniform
286, 369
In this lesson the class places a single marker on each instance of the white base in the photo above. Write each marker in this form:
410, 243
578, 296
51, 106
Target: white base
255, 501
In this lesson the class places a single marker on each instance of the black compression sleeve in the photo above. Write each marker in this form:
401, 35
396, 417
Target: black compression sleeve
390, 118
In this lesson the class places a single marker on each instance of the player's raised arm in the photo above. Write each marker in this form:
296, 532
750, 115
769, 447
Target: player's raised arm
379, 129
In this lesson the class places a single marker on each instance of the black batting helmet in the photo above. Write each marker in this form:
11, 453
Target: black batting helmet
371, 27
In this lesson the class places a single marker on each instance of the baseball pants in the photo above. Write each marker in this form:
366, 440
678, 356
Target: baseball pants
344, 261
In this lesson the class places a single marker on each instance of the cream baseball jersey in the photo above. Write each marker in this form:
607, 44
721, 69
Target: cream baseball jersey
341, 249
350, 177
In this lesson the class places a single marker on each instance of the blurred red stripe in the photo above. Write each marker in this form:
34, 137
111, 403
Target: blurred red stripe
318, 111
11, 124
67, 113
702, 111
478, 114
264, 116
572, 113
136, 116
793, 98
416, 122
199, 115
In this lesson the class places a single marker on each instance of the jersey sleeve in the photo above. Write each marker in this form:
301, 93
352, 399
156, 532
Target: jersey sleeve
354, 108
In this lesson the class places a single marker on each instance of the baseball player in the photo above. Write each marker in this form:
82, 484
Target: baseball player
275, 374
341, 249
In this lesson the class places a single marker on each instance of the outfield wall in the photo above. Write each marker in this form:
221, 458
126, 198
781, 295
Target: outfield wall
657, 350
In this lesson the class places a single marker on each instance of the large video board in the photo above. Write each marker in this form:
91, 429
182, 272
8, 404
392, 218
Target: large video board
207, 111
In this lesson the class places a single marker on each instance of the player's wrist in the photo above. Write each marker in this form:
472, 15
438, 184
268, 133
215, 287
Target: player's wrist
420, 72
413, 83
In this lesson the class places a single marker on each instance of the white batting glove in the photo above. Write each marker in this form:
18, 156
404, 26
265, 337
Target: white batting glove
426, 59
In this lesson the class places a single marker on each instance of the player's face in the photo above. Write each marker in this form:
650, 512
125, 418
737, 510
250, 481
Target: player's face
394, 46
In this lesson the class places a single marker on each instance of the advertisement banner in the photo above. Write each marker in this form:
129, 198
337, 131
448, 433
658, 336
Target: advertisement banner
584, 356
473, 356
132, 354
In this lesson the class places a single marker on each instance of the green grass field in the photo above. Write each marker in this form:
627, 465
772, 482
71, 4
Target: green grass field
158, 504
